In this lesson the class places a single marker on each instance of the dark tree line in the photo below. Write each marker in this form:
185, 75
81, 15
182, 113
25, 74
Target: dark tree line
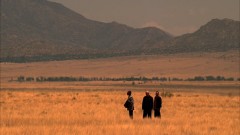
141, 78
211, 78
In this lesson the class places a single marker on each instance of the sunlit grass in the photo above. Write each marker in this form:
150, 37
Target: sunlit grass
102, 112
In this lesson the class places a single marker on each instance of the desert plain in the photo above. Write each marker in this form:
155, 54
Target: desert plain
96, 107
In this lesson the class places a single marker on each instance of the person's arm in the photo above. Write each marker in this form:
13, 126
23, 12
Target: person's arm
160, 102
126, 104
151, 103
143, 103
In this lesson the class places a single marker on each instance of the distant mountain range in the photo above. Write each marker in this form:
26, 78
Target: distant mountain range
216, 35
36, 30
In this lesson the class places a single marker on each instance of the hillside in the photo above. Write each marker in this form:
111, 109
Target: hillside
39, 28
215, 36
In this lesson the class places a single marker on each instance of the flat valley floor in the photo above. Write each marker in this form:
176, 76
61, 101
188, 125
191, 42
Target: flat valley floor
177, 65
96, 108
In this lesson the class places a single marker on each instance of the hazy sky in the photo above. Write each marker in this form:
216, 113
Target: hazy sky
174, 16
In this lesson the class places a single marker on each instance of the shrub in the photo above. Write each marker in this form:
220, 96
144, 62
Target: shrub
21, 79
133, 83
167, 94
199, 78
177, 79
230, 79
29, 79
210, 78
220, 78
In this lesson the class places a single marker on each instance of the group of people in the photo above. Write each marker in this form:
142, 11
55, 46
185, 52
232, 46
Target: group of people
148, 104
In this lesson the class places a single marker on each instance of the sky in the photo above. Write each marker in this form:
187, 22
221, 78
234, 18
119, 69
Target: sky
174, 16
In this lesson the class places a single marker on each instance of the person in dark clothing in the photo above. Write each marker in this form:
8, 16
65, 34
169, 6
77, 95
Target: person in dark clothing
147, 105
129, 104
157, 105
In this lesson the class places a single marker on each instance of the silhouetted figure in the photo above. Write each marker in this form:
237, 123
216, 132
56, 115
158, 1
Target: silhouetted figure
129, 104
147, 105
157, 105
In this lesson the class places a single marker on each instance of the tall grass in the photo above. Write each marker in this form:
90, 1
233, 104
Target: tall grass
102, 112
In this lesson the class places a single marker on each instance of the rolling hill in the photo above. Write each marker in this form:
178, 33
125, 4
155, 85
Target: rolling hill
39, 27
215, 36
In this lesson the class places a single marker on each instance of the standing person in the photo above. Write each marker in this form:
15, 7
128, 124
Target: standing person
147, 105
157, 105
129, 104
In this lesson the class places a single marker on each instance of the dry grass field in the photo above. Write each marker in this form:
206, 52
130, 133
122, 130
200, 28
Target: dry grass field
178, 65
97, 109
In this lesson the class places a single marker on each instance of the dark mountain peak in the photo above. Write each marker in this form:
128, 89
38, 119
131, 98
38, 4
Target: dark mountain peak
20, 7
151, 29
43, 28
220, 24
225, 20
216, 35
157, 30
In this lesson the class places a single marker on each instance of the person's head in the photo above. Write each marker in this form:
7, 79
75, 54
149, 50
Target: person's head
147, 93
157, 93
129, 93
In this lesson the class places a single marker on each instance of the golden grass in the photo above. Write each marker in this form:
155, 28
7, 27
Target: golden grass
96, 108
101, 112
